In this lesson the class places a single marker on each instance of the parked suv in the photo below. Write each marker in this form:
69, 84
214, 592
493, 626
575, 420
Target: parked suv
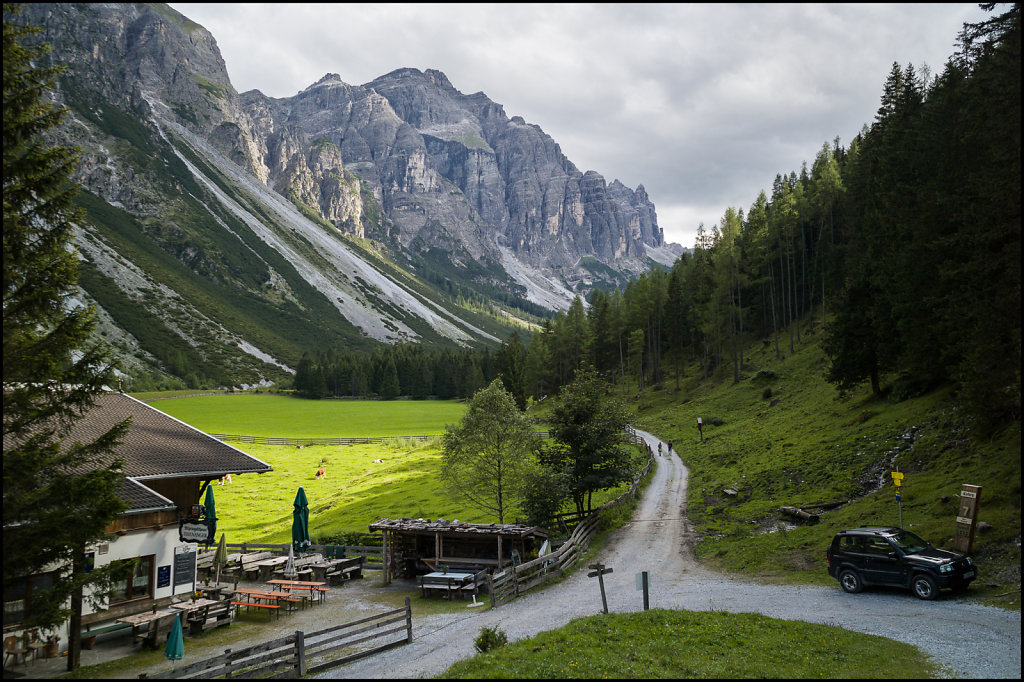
892, 556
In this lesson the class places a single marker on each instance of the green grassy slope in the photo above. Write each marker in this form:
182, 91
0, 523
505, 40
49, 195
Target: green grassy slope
806, 446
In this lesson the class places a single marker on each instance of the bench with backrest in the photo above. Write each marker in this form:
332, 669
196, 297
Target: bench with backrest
248, 564
344, 569
303, 565
209, 617
90, 635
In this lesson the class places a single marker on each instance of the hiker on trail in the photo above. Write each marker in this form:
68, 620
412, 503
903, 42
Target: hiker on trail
659, 448
670, 447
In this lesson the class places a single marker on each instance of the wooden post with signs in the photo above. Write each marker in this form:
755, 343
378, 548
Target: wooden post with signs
598, 572
967, 518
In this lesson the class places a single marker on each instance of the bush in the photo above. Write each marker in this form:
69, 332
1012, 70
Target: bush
765, 375
490, 638
767, 393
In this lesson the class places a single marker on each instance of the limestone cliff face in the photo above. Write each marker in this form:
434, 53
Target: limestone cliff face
406, 158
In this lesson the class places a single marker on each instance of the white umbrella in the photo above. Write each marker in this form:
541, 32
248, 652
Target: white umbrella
289, 567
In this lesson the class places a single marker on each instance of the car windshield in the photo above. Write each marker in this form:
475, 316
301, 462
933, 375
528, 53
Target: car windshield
908, 542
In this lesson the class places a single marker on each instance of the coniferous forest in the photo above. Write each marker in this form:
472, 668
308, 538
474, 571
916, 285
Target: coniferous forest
905, 245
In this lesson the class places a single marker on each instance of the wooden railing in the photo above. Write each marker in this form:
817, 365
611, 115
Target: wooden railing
266, 440
300, 653
510, 583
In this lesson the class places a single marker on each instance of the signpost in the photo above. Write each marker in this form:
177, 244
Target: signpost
641, 584
967, 518
897, 480
700, 429
598, 572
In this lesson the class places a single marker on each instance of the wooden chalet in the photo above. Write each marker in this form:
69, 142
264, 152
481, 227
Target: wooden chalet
416, 546
167, 467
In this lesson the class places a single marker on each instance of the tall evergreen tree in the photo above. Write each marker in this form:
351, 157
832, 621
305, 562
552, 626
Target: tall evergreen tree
58, 497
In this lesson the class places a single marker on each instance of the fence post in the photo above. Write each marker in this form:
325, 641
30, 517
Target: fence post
408, 621
227, 663
300, 653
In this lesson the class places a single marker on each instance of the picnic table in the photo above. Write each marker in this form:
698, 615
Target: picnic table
267, 567
338, 569
261, 599
316, 588
447, 582
151, 621
213, 591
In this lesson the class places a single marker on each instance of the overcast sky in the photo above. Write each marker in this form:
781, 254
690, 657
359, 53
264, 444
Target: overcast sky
701, 104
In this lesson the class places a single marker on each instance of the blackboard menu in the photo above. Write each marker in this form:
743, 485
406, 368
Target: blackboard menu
184, 565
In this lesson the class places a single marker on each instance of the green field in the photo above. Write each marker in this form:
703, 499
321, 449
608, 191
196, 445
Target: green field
252, 414
357, 490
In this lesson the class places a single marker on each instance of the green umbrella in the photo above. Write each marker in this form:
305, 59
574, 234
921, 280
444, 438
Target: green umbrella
300, 522
175, 648
220, 558
211, 512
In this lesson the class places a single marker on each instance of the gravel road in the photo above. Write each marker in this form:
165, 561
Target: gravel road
969, 640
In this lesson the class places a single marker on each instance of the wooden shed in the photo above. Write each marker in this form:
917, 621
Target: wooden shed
415, 546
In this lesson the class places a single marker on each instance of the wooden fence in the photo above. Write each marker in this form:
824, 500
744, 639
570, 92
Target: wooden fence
300, 654
261, 440
510, 583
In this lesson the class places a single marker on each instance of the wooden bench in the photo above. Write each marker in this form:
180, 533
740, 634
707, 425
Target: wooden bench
272, 608
90, 634
210, 617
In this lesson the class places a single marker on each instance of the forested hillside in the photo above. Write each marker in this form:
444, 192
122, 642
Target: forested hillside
905, 245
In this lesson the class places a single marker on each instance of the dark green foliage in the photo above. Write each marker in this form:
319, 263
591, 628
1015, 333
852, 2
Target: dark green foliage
486, 455
57, 497
490, 638
587, 425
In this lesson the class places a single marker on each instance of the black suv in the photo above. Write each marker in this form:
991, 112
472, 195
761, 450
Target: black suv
892, 556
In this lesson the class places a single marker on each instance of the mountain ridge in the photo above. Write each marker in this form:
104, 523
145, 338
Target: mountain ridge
275, 207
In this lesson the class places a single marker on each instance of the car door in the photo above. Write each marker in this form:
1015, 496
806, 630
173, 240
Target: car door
885, 566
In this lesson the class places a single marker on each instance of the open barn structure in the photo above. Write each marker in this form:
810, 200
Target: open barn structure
416, 546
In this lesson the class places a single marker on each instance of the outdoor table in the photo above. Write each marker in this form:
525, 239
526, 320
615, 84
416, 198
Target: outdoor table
267, 567
300, 585
189, 606
213, 591
320, 568
150, 619
449, 581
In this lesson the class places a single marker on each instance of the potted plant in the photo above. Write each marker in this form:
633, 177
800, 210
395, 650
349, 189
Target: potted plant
52, 646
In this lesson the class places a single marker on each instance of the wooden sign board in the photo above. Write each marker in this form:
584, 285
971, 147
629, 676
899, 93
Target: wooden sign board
967, 518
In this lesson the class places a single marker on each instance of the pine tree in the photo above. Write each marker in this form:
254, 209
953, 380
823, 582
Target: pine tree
58, 497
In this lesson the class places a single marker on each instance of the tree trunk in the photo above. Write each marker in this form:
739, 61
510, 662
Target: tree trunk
75, 624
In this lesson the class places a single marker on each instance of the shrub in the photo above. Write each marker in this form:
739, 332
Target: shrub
767, 393
765, 375
490, 638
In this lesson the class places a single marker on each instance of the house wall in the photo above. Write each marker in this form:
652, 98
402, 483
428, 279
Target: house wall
160, 543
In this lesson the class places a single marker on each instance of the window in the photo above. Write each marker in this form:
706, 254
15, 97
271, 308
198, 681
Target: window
139, 585
18, 599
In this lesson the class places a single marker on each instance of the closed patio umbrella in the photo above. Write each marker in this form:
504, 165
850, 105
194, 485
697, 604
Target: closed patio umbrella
220, 558
300, 522
211, 512
175, 649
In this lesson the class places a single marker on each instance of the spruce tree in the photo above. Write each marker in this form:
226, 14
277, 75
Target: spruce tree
58, 497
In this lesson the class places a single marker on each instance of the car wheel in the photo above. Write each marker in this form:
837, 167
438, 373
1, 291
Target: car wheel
924, 587
851, 581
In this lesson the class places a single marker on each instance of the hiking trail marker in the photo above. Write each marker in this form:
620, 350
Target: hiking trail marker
598, 572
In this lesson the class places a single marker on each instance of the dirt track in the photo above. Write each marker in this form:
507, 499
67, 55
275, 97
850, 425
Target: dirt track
970, 640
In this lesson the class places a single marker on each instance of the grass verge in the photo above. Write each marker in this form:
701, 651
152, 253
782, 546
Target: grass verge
669, 644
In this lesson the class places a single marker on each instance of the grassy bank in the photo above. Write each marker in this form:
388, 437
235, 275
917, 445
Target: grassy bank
707, 645
783, 436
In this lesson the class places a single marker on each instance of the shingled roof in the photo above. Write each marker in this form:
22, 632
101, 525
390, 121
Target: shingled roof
409, 525
158, 445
